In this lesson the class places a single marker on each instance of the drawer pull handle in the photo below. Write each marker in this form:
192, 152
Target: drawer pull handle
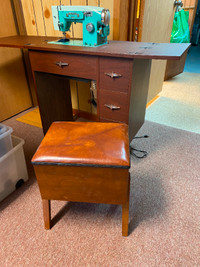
61, 64
112, 107
113, 75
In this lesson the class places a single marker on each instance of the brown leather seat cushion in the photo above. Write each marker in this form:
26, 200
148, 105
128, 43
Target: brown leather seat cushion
85, 143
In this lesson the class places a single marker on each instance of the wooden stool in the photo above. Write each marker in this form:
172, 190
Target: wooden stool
84, 162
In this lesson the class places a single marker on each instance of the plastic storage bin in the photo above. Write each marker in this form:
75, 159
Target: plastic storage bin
13, 170
5, 139
2, 128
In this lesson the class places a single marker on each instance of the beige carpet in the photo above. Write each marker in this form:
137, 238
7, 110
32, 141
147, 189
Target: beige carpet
179, 103
164, 212
184, 87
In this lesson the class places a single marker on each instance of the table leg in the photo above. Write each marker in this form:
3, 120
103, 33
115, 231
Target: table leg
47, 213
125, 212
54, 97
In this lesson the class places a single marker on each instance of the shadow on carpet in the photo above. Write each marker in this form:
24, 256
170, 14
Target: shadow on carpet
164, 212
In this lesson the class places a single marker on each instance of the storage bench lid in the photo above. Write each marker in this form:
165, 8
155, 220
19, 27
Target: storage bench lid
95, 144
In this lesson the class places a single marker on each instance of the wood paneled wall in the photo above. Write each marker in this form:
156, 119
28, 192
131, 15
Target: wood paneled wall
14, 90
156, 20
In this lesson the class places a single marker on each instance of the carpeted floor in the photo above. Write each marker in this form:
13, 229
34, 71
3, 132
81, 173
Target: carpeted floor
192, 63
179, 103
164, 212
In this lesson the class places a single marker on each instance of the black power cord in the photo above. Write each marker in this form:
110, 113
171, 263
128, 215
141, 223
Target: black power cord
142, 153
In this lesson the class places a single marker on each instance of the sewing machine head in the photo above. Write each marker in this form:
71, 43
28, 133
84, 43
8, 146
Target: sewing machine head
95, 22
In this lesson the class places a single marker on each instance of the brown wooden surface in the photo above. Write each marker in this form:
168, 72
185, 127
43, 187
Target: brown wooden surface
18, 11
47, 213
191, 6
155, 25
83, 184
141, 19
14, 90
86, 115
118, 66
132, 19
110, 90
79, 65
138, 98
124, 18
43, 16
117, 99
85, 63
121, 20
22, 30
30, 78
84, 94
84, 163
29, 17
125, 212
113, 49
116, 17
107, 120
175, 67
54, 98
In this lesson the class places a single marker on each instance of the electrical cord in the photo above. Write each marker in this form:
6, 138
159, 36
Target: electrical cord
144, 136
133, 150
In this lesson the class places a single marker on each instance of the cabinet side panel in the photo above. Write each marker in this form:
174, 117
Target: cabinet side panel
138, 97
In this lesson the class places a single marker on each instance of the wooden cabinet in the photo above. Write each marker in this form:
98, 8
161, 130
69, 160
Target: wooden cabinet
114, 88
121, 71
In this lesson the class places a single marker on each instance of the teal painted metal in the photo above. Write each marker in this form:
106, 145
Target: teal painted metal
72, 42
95, 22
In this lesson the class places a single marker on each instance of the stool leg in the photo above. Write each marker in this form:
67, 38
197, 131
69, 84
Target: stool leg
47, 213
125, 212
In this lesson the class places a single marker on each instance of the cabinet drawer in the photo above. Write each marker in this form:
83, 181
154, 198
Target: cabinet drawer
64, 64
115, 74
113, 106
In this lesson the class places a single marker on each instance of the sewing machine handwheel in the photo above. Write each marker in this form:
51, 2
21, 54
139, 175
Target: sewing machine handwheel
105, 16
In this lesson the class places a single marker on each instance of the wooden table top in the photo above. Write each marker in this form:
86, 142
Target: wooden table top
123, 49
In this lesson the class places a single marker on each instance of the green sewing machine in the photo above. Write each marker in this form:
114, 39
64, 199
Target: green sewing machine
95, 22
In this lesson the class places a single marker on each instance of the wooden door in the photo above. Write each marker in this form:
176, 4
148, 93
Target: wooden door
191, 6
14, 91
155, 25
